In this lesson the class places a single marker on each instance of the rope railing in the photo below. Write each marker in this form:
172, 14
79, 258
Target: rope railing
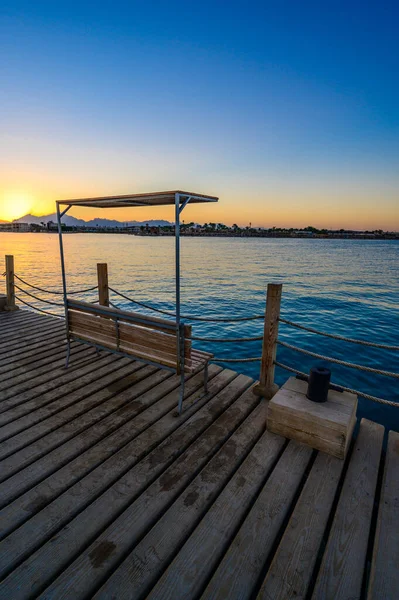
56, 292
236, 360
223, 340
37, 298
337, 361
272, 318
340, 387
339, 337
187, 317
45, 312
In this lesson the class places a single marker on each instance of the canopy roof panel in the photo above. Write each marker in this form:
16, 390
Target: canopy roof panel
151, 199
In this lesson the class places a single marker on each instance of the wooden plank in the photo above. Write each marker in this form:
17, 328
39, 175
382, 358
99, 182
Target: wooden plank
266, 386
198, 557
30, 363
30, 346
12, 395
22, 341
102, 278
30, 407
384, 576
127, 332
76, 458
25, 540
27, 321
10, 282
289, 574
49, 364
29, 356
241, 567
19, 433
123, 315
55, 449
205, 480
133, 351
111, 445
324, 426
341, 570
336, 447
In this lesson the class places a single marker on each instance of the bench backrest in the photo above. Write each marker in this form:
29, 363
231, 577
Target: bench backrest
148, 338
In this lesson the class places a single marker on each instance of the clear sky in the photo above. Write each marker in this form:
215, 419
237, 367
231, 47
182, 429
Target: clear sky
288, 111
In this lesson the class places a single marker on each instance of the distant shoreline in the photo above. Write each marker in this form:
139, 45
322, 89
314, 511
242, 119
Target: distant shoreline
275, 235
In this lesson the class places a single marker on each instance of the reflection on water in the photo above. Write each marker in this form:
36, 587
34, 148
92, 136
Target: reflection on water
340, 286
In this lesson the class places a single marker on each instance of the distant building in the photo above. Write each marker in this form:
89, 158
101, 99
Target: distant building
15, 227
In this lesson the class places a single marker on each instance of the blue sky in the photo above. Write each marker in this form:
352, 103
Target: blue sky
288, 111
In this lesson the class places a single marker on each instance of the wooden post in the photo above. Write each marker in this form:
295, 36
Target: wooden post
266, 387
10, 285
102, 277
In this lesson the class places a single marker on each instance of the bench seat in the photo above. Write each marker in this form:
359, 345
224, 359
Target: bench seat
151, 339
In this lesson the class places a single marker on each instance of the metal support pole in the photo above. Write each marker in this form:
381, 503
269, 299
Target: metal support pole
182, 374
64, 285
206, 375
177, 275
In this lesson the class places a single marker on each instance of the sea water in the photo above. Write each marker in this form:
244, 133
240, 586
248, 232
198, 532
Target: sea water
345, 287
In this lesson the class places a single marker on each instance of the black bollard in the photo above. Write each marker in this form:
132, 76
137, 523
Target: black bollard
319, 382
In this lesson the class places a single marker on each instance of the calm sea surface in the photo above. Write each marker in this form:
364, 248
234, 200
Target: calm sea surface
347, 287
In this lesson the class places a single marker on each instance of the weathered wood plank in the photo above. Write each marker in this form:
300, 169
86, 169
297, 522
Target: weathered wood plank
292, 567
384, 576
341, 571
26, 321
85, 574
56, 449
65, 382
197, 559
21, 342
241, 567
13, 355
20, 544
50, 364
26, 358
20, 432
112, 379
124, 315
31, 359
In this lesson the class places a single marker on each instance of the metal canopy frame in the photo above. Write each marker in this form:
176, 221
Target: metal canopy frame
177, 198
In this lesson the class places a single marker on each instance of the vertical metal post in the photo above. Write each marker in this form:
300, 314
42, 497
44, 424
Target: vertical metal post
177, 275
182, 373
64, 285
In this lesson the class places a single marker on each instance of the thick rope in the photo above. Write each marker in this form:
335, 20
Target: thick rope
50, 314
187, 317
236, 360
37, 298
249, 339
35, 287
341, 387
339, 337
339, 362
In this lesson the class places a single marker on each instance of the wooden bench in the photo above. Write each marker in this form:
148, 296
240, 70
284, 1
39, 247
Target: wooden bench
150, 339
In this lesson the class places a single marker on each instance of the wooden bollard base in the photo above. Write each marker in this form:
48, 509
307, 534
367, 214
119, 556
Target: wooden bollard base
326, 426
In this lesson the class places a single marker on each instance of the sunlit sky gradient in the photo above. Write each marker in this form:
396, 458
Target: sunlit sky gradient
289, 111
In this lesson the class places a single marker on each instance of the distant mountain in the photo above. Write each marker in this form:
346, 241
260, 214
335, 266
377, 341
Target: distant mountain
73, 222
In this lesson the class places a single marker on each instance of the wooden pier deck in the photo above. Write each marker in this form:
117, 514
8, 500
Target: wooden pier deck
106, 493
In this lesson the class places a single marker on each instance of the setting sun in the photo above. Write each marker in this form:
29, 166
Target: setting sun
14, 205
